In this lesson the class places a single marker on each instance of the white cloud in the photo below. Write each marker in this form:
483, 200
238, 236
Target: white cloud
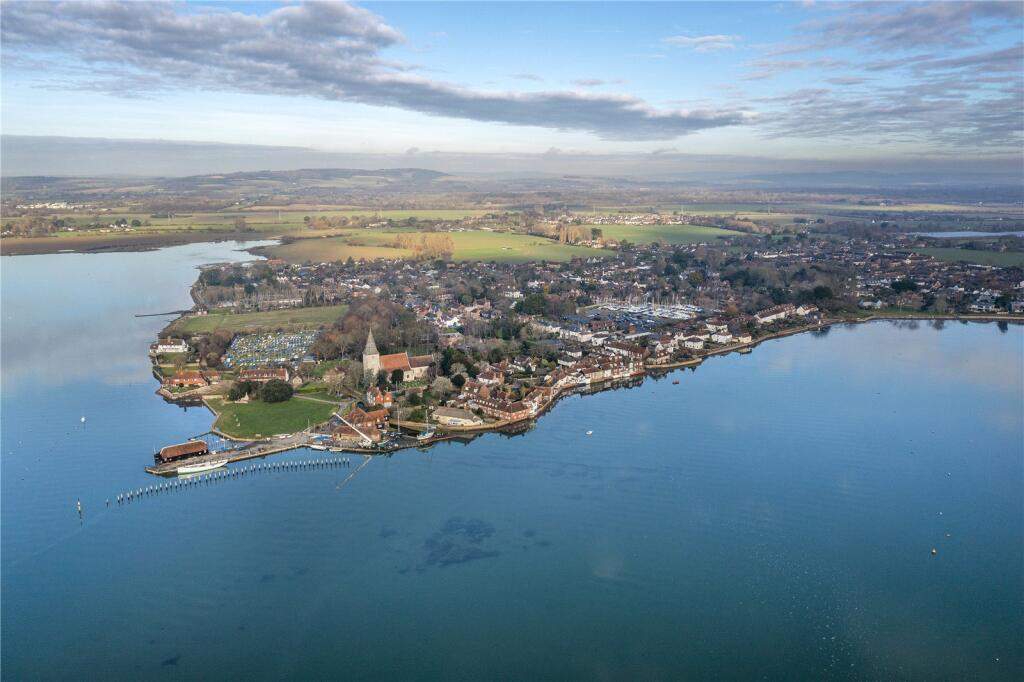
709, 43
329, 51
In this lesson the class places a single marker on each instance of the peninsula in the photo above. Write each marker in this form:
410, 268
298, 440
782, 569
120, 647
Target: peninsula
361, 355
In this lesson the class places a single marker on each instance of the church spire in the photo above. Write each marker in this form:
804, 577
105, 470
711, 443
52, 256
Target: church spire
371, 346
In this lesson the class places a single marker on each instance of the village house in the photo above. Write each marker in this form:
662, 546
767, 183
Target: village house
693, 343
628, 350
504, 410
490, 377
721, 337
375, 396
474, 390
777, 312
263, 374
169, 346
186, 377
362, 418
346, 435
538, 398
659, 357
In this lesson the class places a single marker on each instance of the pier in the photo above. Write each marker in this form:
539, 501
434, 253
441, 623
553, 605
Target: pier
246, 450
167, 314
222, 475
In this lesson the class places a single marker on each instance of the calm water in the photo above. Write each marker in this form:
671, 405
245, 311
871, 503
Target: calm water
770, 516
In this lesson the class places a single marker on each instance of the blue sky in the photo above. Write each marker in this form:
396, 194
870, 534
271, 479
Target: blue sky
792, 80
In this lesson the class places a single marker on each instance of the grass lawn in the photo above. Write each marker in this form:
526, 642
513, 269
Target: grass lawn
294, 319
259, 419
1001, 259
480, 245
671, 234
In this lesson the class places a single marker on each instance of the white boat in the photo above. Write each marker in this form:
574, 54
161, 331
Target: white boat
317, 447
428, 433
201, 466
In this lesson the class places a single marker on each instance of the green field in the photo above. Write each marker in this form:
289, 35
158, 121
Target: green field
259, 419
504, 247
295, 319
671, 234
1002, 259
262, 219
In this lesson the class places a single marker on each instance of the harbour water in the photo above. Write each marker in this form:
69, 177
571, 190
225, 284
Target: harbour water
771, 516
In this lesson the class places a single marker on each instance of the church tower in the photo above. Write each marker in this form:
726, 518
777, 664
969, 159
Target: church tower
371, 358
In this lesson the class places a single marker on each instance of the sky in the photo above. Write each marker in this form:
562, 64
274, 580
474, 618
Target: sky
847, 81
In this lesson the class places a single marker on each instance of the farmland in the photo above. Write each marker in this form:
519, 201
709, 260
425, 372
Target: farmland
1003, 259
670, 234
480, 245
260, 218
293, 319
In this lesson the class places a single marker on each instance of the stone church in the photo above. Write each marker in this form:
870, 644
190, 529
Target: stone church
416, 367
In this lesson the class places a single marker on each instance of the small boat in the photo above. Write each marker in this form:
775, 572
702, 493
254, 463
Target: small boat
428, 433
317, 447
675, 382
201, 466
590, 433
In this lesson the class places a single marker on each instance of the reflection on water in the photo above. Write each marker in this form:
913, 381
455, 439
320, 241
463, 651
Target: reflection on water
772, 515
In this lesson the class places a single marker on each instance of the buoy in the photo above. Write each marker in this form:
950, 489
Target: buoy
83, 420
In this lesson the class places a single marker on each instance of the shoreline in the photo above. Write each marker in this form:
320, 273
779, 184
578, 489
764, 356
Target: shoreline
149, 241
655, 370
446, 433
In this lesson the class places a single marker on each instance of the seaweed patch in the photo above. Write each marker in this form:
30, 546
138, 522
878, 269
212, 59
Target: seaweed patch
458, 541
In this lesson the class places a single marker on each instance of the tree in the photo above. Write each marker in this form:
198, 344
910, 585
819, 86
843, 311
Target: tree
442, 386
276, 391
822, 293
534, 304
241, 389
458, 381
904, 285
240, 224
397, 376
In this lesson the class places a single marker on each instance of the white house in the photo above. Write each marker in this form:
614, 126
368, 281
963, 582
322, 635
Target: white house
693, 343
171, 346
